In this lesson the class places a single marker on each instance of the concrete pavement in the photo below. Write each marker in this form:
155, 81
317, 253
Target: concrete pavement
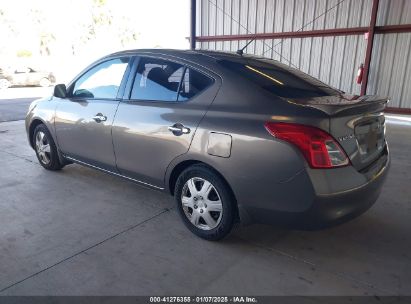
82, 232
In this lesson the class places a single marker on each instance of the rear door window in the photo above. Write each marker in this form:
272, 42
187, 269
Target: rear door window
279, 79
157, 79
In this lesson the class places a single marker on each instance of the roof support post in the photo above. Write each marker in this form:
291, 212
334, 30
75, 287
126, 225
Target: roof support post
370, 42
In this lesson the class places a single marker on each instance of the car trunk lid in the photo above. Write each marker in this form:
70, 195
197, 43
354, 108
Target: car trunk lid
357, 123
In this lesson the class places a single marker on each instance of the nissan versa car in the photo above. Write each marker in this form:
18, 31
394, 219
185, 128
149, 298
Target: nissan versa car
234, 138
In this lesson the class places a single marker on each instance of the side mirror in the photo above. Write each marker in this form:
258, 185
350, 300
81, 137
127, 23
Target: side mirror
60, 91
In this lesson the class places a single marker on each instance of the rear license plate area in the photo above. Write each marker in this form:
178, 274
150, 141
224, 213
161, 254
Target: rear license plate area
370, 136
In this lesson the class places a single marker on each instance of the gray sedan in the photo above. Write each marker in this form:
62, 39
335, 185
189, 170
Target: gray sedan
234, 138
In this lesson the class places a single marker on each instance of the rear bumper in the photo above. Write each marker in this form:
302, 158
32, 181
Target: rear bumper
328, 209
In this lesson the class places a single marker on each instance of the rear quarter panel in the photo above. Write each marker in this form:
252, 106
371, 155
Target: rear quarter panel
260, 168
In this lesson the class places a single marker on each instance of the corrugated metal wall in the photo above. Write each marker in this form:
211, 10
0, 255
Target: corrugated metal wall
334, 60
390, 72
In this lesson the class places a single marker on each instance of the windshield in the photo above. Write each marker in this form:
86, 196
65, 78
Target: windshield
279, 79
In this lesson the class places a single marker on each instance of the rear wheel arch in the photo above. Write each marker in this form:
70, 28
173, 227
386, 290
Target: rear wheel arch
177, 170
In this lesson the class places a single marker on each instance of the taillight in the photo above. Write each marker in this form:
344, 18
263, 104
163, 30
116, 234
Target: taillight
318, 147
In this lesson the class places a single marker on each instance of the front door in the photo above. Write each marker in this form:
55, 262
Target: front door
157, 123
84, 119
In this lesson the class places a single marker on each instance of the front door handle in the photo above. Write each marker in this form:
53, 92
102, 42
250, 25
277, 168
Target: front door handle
100, 117
178, 129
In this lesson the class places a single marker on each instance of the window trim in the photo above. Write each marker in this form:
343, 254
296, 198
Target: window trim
129, 88
181, 83
121, 87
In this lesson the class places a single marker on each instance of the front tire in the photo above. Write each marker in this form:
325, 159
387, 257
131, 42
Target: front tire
46, 150
205, 203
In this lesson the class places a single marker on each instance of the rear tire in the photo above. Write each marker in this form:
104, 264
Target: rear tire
46, 150
205, 203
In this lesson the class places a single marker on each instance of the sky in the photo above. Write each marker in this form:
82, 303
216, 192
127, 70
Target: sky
150, 23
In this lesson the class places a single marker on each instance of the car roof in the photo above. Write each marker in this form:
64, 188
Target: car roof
190, 54
175, 52
204, 58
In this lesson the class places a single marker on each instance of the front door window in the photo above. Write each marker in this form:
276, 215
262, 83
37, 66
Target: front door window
101, 81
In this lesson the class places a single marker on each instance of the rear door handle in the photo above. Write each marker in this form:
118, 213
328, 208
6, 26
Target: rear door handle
178, 129
100, 117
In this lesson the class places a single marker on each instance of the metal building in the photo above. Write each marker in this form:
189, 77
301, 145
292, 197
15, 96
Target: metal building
328, 39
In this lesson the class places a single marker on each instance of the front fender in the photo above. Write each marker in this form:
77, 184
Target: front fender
41, 111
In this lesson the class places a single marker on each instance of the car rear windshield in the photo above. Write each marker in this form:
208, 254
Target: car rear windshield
279, 79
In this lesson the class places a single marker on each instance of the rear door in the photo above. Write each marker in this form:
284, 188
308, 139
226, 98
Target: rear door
84, 119
157, 121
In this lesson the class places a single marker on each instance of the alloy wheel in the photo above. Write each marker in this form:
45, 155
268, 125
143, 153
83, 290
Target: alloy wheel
201, 203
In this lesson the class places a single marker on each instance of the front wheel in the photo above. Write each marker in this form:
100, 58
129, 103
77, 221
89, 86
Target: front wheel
46, 149
205, 203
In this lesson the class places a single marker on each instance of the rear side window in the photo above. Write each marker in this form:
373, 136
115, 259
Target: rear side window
157, 79
193, 83
279, 79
